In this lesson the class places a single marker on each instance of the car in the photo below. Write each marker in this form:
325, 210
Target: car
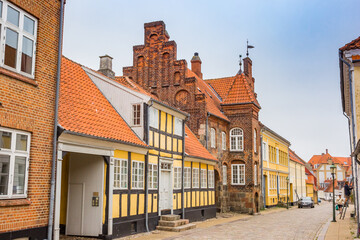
306, 202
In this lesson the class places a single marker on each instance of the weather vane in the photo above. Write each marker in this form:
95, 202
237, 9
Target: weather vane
247, 47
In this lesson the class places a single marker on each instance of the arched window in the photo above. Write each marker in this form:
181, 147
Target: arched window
212, 138
255, 146
223, 140
236, 139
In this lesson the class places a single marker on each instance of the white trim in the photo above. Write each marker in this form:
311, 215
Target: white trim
238, 138
192, 178
202, 181
110, 209
223, 140
132, 114
238, 174
139, 180
120, 160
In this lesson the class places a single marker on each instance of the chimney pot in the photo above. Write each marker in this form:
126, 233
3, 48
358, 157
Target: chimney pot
326, 151
196, 65
106, 66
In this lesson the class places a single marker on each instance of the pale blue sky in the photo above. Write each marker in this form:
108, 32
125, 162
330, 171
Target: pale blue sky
295, 59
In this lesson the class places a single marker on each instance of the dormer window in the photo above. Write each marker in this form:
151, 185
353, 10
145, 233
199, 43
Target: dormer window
136, 114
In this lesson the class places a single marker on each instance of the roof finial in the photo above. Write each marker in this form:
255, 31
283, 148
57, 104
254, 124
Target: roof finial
247, 47
240, 63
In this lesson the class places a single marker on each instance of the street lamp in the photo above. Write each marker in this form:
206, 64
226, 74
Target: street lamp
333, 167
287, 192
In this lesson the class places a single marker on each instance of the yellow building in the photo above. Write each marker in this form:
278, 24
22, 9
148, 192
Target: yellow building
275, 167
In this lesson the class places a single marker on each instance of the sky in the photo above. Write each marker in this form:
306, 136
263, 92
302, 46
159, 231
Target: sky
295, 59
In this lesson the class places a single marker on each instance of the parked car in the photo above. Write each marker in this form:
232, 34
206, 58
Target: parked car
305, 202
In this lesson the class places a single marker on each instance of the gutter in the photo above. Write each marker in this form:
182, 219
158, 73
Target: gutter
52, 187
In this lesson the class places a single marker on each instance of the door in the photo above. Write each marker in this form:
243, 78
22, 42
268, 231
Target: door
165, 190
76, 198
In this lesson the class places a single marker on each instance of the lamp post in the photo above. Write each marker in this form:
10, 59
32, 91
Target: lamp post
333, 167
287, 192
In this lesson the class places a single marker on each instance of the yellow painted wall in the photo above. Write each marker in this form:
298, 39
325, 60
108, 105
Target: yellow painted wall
133, 204
187, 164
155, 198
141, 203
150, 197
168, 143
124, 205
151, 140
175, 145
156, 139
169, 124
162, 141
153, 159
174, 201
116, 207
138, 157
177, 163
121, 154
163, 122
179, 145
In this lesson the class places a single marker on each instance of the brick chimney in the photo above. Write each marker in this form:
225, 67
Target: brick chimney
248, 67
196, 65
106, 66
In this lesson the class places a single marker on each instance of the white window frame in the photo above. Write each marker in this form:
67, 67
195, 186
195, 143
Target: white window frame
132, 114
195, 178
154, 117
239, 140
238, 167
224, 172
255, 139
223, 140
264, 151
213, 138
187, 177
255, 174
211, 179
21, 33
203, 178
12, 152
118, 165
139, 183
178, 126
152, 174
177, 178
277, 155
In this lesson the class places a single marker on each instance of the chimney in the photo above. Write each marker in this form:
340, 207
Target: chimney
248, 67
196, 65
106, 66
326, 150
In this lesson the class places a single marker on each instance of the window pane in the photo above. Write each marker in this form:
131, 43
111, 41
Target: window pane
19, 175
11, 44
21, 142
4, 174
29, 25
13, 16
27, 55
5, 140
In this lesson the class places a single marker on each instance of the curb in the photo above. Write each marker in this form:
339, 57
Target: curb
323, 229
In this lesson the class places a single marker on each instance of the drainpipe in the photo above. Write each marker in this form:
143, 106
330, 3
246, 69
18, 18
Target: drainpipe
183, 164
262, 174
146, 170
52, 189
353, 141
206, 130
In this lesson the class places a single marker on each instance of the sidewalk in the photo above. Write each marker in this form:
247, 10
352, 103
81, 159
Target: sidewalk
342, 228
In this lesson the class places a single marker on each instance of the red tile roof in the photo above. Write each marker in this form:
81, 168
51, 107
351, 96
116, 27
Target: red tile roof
83, 109
125, 81
194, 148
323, 159
354, 44
295, 157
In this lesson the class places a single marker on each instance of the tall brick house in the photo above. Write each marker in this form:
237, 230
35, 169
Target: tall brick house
223, 113
29, 33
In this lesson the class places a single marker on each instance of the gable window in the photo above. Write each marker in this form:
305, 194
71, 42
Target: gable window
153, 176
212, 137
195, 178
137, 176
238, 174
224, 172
177, 177
18, 36
187, 177
14, 163
236, 139
203, 178
120, 173
154, 117
211, 178
178, 126
255, 145
136, 114
223, 140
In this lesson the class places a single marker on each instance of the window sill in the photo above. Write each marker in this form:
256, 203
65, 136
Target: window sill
18, 76
14, 202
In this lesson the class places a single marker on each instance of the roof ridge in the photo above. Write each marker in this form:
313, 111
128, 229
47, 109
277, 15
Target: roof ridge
218, 78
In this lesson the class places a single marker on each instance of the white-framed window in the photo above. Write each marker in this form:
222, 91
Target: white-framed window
255, 139
211, 178
203, 178
223, 140
137, 176
264, 151
187, 177
195, 178
153, 117
224, 173
14, 163
18, 39
120, 173
238, 174
255, 175
177, 177
236, 139
277, 155
153, 175
212, 137
136, 114
178, 126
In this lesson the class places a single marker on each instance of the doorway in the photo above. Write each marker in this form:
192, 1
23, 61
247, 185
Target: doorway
165, 186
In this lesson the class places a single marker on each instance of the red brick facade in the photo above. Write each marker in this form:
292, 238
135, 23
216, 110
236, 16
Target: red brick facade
157, 69
28, 105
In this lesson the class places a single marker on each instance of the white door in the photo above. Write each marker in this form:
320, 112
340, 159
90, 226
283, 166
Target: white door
165, 190
85, 198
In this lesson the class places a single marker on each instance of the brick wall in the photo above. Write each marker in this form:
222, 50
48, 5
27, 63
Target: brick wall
28, 104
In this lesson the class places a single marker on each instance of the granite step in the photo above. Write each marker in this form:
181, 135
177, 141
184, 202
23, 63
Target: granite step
170, 217
173, 223
178, 228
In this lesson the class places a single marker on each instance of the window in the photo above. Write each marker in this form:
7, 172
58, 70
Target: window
178, 129
255, 145
236, 139
223, 140
212, 138
177, 177
136, 114
18, 36
14, 162
264, 151
187, 177
203, 178
277, 155
224, 172
120, 173
238, 174
153, 176
211, 178
137, 177
255, 175
154, 117
195, 178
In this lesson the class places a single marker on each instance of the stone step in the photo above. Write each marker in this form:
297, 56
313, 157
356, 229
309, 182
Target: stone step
170, 217
173, 223
178, 228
